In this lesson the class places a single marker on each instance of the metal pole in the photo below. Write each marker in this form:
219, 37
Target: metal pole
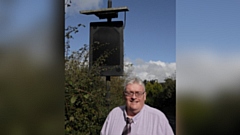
109, 6
108, 91
109, 3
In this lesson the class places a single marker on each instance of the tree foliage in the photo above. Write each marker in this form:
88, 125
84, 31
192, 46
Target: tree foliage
87, 99
82, 111
88, 96
161, 95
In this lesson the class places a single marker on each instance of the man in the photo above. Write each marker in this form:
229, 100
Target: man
135, 118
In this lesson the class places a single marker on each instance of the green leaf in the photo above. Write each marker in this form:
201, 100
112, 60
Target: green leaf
71, 118
70, 82
86, 96
73, 99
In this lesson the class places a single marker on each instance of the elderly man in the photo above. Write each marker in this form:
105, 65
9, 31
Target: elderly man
135, 118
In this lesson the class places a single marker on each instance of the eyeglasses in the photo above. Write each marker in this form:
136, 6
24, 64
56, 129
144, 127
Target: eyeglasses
130, 94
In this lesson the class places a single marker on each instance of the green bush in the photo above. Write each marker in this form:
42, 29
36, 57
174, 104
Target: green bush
87, 100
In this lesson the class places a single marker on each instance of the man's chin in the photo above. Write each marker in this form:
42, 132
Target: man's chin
134, 109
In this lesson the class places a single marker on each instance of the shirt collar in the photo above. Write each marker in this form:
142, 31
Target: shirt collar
136, 117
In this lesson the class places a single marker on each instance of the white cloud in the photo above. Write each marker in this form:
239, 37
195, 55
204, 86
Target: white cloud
78, 5
151, 70
207, 73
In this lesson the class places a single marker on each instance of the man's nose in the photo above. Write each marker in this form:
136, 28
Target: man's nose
134, 96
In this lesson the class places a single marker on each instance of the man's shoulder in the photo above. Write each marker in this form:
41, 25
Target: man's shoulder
153, 111
117, 110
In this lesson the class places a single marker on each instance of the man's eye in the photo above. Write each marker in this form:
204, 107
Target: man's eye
128, 93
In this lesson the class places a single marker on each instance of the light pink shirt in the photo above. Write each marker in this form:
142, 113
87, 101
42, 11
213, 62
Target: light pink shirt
149, 121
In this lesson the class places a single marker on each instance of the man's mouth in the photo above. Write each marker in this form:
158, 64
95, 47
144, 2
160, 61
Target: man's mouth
133, 101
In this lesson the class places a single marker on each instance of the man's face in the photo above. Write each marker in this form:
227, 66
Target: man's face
134, 103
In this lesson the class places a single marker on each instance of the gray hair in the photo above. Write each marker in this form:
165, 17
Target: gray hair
132, 80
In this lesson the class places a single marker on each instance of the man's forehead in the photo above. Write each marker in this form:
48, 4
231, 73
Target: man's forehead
134, 86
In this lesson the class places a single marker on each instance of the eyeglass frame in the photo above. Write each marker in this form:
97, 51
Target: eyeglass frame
130, 94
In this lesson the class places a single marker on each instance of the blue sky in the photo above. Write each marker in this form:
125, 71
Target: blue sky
208, 46
149, 33
208, 24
